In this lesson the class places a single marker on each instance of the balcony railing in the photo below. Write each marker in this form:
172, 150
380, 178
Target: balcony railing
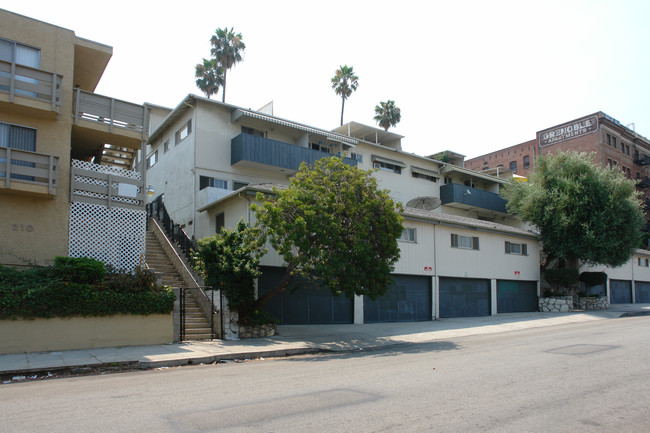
31, 83
111, 112
251, 148
28, 171
469, 197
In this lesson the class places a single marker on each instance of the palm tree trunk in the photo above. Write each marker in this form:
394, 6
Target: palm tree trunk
223, 95
342, 108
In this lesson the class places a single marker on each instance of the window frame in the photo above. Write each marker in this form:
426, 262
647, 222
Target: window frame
473, 240
523, 248
183, 132
211, 182
409, 234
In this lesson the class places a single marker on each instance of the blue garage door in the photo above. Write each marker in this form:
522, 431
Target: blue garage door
620, 292
642, 292
464, 297
304, 303
516, 296
408, 300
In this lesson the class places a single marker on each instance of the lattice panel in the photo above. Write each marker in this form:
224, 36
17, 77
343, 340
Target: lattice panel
84, 165
115, 236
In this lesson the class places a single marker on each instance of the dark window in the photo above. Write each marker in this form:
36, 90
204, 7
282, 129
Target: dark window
205, 181
387, 166
251, 131
424, 176
220, 222
166, 146
513, 166
609, 140
518, 249
237, 185
318, 146
526, 161
614, 142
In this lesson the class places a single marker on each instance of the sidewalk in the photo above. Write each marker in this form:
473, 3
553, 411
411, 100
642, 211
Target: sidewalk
298, 339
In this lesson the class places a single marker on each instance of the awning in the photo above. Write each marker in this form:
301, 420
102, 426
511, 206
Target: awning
331, 136
432, 173
388, 161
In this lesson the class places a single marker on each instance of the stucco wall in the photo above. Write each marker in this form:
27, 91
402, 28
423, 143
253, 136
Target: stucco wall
41, 335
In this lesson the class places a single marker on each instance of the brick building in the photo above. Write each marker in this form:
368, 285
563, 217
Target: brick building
613, 143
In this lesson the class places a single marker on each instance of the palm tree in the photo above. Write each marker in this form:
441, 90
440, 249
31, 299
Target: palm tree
209, 77
227, 49
387, 114
344, 83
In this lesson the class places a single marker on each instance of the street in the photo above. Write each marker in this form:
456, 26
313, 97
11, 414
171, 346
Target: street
584, 377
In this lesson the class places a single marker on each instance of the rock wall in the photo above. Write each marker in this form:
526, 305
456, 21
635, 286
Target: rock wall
588, 303
560, 304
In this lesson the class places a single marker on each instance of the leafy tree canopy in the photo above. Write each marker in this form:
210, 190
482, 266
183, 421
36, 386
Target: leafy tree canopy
582, 211
333, 225
229, 261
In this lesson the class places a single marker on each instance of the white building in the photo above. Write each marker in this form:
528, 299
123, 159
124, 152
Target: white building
461, 253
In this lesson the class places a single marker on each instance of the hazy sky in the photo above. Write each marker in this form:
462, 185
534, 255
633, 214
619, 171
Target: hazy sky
469, 76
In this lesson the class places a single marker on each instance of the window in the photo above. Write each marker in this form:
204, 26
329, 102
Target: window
465, 242
20, 138
469, 183
408, 235
644, 262
21, 55
609, 162
252, 131
318, 146
220, 222
166, 146
382, 165
609, 140
448, 180
614, 142
513, 166
182, 133
153, 159
356, 156
519, 249
424, 176
205, 181
526, 161
237, 185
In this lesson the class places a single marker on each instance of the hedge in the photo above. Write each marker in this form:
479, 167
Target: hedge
63, 290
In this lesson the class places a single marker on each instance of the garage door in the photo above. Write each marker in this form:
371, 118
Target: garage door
408, 300
516, 296
464, 297
642, 292
303, 303
620, 292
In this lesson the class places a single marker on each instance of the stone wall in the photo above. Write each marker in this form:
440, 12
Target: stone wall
559, 304
587, 303
258, 331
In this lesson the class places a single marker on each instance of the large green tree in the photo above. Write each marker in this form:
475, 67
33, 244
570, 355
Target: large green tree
229, 261
227, 50
583, 212
209, 77
344, 82
387, 114
334, 226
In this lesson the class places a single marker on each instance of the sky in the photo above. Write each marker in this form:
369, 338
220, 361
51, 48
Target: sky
468, 76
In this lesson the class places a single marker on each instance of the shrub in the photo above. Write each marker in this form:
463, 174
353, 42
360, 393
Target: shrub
561, 278
47, 292
593, 278
80, 269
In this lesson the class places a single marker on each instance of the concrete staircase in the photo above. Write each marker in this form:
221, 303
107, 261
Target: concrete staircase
197, 326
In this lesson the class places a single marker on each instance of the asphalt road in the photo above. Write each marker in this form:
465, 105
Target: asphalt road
587, 377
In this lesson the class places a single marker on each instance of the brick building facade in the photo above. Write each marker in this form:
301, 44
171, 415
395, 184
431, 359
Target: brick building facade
613, 143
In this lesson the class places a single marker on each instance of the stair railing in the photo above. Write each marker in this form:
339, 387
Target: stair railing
173, 230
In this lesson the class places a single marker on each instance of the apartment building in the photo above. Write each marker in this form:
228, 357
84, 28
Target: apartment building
461, 253
67, 155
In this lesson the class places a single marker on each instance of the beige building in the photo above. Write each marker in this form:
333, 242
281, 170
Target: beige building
66, 154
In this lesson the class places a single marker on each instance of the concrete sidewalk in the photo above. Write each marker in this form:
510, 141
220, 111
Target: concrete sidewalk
295, 340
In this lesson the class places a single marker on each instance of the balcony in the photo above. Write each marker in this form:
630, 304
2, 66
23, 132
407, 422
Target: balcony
252, 151
100, 120
30, 88
28, 173
466, 197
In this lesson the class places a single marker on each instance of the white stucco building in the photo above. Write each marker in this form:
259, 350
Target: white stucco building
461, 253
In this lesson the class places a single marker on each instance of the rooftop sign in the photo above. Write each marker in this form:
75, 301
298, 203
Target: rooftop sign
568, 131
